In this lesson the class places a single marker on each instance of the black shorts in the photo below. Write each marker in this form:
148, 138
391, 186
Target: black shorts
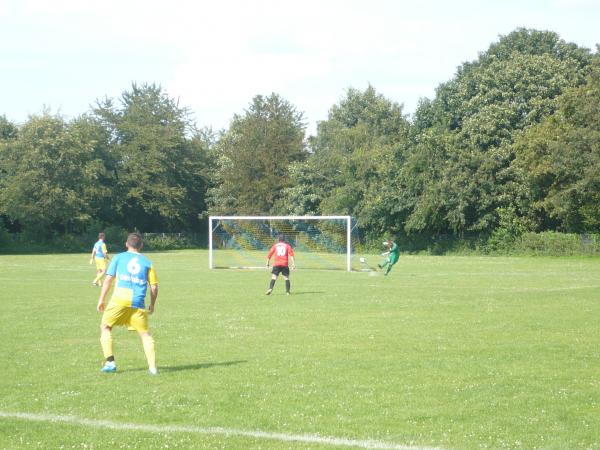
283, 270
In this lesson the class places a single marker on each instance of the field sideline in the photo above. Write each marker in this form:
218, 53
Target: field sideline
445, 352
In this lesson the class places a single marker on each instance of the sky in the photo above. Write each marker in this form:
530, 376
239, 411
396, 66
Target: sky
214, 57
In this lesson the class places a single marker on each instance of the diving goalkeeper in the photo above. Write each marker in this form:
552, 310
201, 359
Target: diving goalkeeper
392, 254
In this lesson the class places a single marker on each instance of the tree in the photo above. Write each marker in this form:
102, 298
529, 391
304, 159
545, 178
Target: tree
53, 170
253, 157
559, 160
8, 133
355, 157
477, 116
158, 171
8, 130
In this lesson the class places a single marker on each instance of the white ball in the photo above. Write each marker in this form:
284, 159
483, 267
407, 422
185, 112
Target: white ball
362, 259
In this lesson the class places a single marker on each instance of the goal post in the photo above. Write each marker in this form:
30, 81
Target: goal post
320, 242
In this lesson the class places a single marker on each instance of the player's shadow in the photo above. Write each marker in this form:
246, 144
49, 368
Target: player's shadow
198, 366
295, 293
201, 366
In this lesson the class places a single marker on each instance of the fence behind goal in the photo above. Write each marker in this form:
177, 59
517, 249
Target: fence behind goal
319, 242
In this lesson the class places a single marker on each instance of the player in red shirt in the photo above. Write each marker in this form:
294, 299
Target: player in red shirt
282, 251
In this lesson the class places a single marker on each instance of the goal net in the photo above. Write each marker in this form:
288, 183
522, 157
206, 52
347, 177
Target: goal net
319, 242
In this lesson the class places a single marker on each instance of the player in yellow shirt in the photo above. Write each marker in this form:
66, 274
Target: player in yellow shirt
134, 273
100, 257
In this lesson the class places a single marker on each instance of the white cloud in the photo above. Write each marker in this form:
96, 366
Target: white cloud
298, 53
215, 56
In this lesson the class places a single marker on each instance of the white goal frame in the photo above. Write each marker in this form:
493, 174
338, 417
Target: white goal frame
348, 221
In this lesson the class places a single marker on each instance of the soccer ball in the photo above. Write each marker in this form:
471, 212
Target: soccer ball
362, 259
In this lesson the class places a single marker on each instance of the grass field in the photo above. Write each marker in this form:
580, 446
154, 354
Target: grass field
447, 352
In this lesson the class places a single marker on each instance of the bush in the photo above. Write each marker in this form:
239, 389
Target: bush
552, 243
115, 238
170, 241
503, 241
67, 243
30, 242
4, 235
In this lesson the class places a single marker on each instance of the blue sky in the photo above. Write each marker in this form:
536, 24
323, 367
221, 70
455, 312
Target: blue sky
215, 56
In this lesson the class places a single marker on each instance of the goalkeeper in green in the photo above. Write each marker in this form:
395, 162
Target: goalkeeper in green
392, 254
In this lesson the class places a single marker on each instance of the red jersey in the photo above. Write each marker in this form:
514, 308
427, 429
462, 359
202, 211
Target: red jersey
281, 250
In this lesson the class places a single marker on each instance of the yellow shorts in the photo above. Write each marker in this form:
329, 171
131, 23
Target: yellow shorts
100, 263
135, 318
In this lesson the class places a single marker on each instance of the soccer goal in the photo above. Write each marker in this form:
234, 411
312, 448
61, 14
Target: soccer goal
319, 242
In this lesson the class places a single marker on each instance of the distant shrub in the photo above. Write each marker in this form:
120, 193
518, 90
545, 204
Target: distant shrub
30, 242
115, 238
551, 243
67, 243
170, 241
4, 235
503, 241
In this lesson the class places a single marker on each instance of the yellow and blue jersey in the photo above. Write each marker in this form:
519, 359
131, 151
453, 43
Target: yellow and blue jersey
133, 272
100, 249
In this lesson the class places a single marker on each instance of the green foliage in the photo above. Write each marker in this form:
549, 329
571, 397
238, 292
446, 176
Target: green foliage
559, 161
140, 165
509, 145
159, 172
304, 196
115, 237
170, 241
52, 175
4, 235
253, 157
28, 242
462, 150
510, 229
552, 243
352, 168
8, 130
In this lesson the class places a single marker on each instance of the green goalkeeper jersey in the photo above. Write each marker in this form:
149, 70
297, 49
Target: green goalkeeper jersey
394, 252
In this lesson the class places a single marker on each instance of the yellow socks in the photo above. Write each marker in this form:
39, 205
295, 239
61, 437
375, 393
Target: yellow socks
149, 350
106, 341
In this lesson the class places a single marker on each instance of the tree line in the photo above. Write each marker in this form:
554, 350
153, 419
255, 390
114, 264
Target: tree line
510, 144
